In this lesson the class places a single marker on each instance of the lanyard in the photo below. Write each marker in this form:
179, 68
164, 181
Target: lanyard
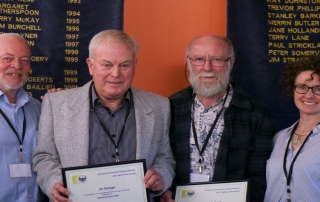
289, 175
116, 144
14, 130
210, 131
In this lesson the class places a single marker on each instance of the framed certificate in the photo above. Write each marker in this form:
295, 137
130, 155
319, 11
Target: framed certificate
112, 182
235, 191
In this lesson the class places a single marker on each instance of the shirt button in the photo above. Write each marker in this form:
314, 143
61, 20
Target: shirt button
112, 115
113, 156
114, 135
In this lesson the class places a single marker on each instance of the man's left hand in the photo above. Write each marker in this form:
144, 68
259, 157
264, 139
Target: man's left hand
153, 180
51, 91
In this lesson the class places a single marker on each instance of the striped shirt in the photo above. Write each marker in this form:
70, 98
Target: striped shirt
305, 182
101, 149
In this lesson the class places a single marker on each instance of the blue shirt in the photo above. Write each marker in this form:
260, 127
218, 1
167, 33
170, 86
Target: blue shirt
305, 182
18, 189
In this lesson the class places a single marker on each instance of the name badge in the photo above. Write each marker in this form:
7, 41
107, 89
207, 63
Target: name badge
196, 177
20, 170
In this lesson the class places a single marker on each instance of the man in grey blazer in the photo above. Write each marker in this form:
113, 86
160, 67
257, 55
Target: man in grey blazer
105, 121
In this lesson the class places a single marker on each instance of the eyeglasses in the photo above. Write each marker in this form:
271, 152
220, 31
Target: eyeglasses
303, 89
218, 62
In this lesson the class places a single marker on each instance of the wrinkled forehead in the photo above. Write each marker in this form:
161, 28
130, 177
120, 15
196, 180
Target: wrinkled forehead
113, 46
209, 46
113, 52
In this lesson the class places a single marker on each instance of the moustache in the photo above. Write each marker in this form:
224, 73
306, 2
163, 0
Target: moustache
208, 74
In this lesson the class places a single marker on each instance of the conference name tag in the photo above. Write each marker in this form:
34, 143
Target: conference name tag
20, 170
196, 177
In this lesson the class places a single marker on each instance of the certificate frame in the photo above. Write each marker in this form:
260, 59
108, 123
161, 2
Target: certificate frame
222, 191
109, 181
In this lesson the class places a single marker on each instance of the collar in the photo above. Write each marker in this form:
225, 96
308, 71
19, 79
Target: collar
221, 101
97, 101
315, 130
288, 132
22, 98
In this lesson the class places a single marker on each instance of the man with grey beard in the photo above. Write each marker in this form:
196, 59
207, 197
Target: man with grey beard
217, 133
19, 116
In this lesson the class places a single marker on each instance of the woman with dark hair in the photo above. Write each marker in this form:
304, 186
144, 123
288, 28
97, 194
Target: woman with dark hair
293, 170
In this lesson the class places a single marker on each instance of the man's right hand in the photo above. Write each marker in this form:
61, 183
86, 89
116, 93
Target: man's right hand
51, 91
166, 196
58, 192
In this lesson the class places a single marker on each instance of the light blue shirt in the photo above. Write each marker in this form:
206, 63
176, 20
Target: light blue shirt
305, 182
18, 189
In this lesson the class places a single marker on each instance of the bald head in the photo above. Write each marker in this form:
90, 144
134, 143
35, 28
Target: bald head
224, 42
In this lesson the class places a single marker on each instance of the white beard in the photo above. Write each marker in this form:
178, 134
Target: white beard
209, 89
7, 87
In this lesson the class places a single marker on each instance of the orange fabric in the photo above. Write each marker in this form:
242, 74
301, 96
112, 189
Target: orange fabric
163, 29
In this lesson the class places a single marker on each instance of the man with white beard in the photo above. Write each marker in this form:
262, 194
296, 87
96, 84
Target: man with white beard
19, 117
217, 133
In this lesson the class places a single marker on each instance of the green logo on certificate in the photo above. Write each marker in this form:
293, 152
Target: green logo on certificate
77, 179
187, 193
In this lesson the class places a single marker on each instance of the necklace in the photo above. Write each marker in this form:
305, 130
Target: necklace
297, 139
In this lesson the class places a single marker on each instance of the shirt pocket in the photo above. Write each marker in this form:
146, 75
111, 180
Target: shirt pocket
242, 144
239, 153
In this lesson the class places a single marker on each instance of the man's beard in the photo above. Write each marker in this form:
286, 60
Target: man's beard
209, 89
7, 87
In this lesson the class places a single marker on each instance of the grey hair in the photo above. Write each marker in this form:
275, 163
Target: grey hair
14, 35
222, 38
113, 36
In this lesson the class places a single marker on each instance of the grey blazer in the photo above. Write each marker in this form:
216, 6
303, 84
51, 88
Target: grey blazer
63, 138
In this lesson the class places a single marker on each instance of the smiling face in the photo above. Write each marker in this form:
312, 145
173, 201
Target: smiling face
308, 103
14, 63
210, 80
112, 68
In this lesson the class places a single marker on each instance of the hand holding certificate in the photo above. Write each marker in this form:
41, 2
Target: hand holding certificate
113, 182
208, 192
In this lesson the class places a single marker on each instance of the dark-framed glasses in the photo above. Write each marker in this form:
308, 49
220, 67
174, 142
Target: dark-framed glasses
303, 89
198, 61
